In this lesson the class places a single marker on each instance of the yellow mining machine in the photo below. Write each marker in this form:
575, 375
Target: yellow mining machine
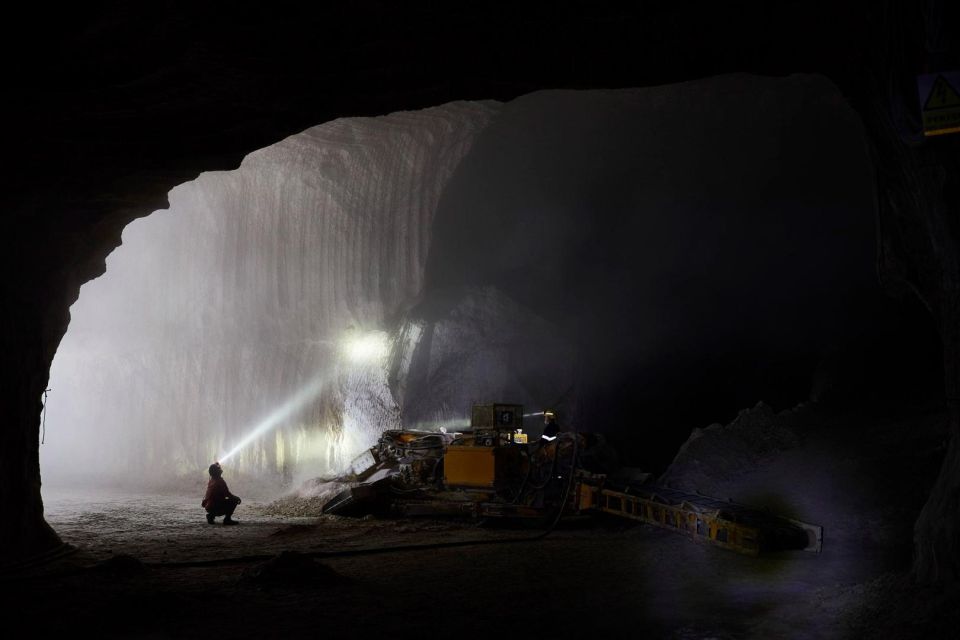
491, 470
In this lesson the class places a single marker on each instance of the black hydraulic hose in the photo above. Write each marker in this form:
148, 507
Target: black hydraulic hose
526, 476
567, 489
430, 546
553, 469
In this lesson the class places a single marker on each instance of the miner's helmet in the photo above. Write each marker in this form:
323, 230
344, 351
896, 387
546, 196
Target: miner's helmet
549, 416
215, 470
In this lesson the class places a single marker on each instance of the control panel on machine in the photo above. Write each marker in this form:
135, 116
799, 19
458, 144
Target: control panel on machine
495, 425
486, 457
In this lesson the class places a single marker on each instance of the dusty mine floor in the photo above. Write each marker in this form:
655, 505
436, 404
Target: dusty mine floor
588, 578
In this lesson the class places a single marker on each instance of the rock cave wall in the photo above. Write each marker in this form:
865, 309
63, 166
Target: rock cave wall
217, 311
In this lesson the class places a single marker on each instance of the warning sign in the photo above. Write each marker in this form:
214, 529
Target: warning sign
940, 102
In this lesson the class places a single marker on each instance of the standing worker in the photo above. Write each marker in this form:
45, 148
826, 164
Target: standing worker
219, 501
550, 426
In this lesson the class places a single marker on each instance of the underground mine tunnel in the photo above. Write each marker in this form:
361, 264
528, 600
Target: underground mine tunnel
481, 342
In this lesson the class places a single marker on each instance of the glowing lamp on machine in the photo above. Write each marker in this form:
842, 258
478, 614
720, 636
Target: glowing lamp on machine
366, 347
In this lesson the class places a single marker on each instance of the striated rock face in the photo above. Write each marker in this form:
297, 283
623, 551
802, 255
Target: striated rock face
247, 300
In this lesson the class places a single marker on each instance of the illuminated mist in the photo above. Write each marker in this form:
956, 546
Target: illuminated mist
251, 321
276, 418
379, 273
362, 349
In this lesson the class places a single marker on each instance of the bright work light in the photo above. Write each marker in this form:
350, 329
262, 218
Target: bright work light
366, 347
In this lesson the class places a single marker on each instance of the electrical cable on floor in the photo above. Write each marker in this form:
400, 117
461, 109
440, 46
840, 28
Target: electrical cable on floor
15, 570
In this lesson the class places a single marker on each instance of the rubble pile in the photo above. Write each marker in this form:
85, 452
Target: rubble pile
305, 502
720, 452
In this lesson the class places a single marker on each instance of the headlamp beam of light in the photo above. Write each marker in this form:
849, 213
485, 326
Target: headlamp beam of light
442, 425
274, 419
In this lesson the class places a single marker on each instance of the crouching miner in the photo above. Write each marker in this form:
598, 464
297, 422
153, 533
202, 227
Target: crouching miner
219, 501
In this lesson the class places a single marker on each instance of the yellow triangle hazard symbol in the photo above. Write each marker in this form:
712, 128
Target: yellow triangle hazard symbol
942, 96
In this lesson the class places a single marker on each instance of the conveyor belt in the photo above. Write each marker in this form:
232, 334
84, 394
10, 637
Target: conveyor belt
729, 525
